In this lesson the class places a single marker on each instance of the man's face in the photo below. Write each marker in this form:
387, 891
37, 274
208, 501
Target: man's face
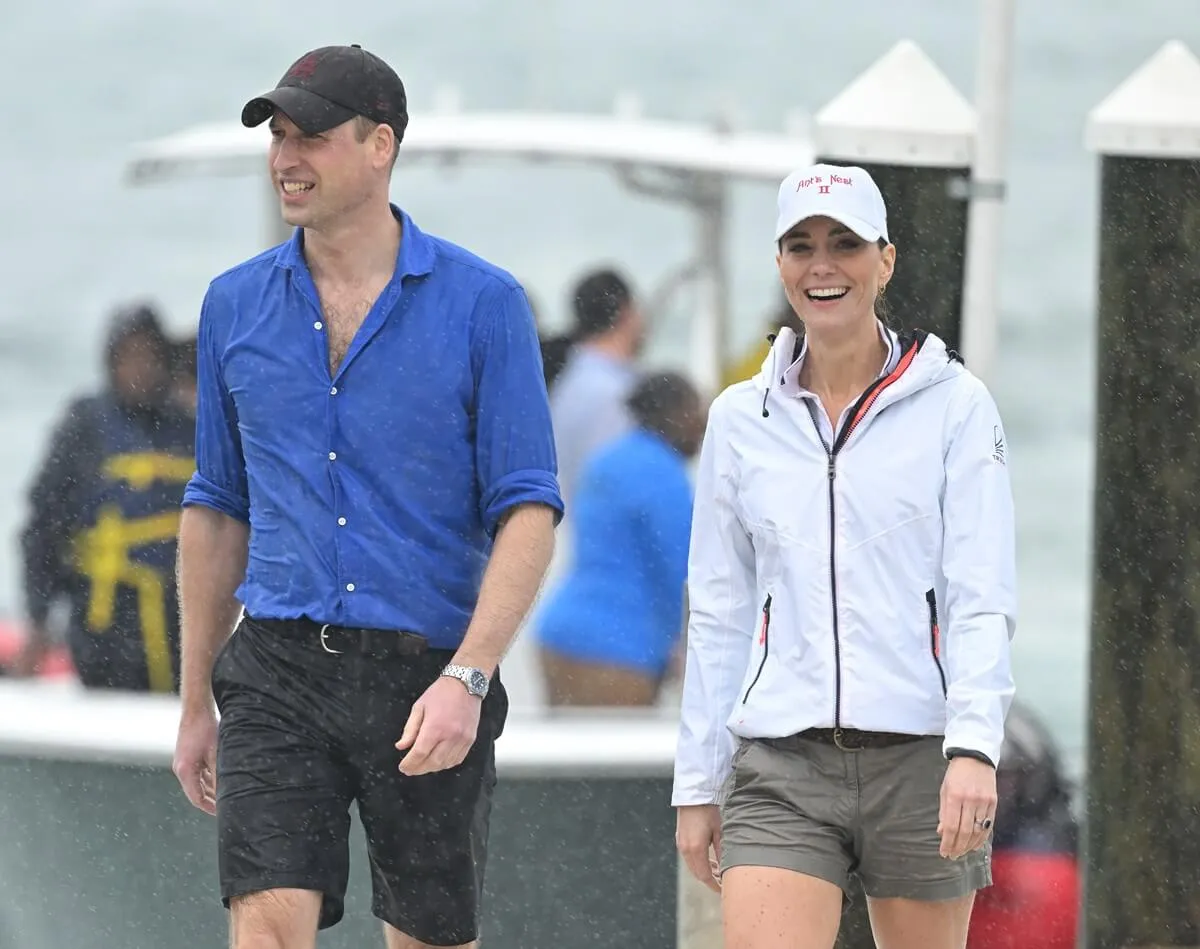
140, 373
323, 178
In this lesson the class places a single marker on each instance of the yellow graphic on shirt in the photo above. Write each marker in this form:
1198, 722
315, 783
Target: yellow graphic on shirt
141, 469
102, 555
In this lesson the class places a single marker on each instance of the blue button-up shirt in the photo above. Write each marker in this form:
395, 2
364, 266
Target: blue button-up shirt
372, 495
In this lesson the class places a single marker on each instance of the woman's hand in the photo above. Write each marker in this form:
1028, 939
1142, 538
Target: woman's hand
698, 839
968, 806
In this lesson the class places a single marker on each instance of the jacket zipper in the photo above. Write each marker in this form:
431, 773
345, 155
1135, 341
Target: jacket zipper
831, 453
764, 640
935, 636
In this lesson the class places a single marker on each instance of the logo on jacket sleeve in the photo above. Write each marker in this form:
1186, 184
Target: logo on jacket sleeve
997, 445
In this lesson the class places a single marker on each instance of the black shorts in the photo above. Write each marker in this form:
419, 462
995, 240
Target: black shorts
303, 732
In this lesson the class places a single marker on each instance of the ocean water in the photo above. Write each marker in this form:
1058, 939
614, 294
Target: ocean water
83, 81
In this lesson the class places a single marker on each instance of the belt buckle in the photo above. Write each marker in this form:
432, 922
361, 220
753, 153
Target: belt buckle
325, 640
838, 735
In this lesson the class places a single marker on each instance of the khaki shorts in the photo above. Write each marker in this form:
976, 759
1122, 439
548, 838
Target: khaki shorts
808, 806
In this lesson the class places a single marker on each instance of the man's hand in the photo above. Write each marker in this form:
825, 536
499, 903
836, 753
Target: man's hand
968, 804
441, 728
195, 763
698, 839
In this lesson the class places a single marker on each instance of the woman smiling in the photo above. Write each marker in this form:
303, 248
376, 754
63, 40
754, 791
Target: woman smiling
852, 600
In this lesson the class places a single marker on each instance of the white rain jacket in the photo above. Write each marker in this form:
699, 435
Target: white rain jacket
865, 581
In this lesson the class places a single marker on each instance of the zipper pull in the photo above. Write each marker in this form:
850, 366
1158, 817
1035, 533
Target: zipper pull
832, 465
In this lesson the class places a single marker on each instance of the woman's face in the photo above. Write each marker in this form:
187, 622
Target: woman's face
831, 275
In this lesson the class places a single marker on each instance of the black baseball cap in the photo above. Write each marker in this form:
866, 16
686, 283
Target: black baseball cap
332, 85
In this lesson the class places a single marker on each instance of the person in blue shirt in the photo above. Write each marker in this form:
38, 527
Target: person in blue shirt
607, 633
376, 485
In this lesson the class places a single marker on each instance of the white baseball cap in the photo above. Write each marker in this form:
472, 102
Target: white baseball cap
845, 193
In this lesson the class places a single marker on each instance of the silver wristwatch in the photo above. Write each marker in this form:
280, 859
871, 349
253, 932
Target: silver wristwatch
475, 680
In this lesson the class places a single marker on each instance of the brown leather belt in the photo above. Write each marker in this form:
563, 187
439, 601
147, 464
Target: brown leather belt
852, 739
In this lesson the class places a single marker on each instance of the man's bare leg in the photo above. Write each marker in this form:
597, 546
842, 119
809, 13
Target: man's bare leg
275, 919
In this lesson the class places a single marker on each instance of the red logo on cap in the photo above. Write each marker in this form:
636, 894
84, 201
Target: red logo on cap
819, 181
305, 66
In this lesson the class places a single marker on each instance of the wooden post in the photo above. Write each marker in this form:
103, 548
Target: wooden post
1142, 883
905, 123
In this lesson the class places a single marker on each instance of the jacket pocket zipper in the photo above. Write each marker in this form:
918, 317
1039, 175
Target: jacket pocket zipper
935, 636
764, 640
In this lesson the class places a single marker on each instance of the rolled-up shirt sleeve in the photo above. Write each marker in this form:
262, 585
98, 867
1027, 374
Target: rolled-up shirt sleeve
219, 481
515, 459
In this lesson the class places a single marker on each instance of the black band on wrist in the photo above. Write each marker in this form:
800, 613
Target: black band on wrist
952, 753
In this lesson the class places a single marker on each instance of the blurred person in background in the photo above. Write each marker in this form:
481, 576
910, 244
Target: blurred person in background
555, 347
183, 374
100, 536
588, 404
556, 350
607, 633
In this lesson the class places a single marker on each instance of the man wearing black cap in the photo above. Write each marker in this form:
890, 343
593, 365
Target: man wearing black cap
329, 104
376, 485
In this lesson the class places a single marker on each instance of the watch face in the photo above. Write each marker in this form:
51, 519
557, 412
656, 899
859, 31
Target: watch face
478, 682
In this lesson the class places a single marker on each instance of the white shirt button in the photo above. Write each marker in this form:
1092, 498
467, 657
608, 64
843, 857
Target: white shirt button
341, 522
350, 587
317, 325
333, 456
333, 391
